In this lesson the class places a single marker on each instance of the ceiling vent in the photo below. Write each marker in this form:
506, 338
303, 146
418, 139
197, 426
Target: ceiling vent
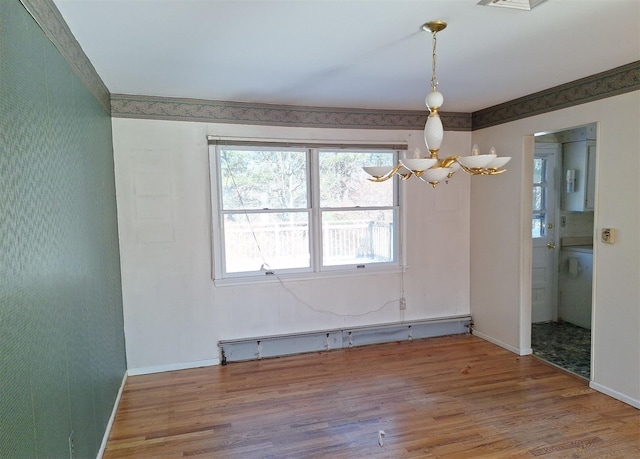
516, 4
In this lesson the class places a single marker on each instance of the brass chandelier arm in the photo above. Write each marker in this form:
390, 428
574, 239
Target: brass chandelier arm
433, 184
481, 170
448, 161
391, 173
471, 170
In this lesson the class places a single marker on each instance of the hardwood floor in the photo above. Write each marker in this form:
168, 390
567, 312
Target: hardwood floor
452, 397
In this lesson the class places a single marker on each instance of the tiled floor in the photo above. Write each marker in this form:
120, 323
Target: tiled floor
563, 344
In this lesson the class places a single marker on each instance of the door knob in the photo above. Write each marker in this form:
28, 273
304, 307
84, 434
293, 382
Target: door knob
551, 245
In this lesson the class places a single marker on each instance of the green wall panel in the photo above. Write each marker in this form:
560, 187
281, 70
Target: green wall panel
62, 350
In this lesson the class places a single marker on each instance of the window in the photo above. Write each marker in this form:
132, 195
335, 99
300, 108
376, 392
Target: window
538, 225
284, 209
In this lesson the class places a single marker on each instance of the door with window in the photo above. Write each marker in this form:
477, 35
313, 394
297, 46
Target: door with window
544, 282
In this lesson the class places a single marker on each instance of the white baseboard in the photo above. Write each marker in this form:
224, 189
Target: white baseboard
172, 367
527, 351
615, 394
502, 344
112, 418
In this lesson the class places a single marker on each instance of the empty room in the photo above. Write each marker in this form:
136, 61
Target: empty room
317, 228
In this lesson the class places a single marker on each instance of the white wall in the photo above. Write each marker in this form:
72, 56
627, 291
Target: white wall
500, 240
174, 315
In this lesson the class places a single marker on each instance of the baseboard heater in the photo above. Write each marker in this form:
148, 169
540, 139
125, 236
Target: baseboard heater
262, 347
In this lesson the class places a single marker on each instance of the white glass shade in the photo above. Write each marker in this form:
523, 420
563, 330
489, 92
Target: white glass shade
434, 100
418, 164
378, 171
436, 174
498, 162
433, 132
476, 161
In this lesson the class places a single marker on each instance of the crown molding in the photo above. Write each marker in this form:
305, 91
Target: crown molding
46, 14
214, 111
611, 83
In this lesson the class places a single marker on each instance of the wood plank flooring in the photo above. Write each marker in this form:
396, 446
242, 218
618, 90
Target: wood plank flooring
448, 397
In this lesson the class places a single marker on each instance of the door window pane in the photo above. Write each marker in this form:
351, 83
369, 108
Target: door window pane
538, 198
539, 170
537, 226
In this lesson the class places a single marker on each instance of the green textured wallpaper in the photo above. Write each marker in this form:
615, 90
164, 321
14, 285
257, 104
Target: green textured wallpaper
62, 356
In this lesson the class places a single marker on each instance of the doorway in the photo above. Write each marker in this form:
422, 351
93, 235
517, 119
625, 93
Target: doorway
562, 248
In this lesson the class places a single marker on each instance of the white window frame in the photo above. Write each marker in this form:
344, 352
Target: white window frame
316, 268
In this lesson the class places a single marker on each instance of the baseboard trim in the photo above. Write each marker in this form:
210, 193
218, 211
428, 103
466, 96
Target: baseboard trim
615, 394
112, 418
502, 344
172, 367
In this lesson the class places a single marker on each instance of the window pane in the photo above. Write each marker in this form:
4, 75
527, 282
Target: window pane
354, 237
538, 197
279, 240
539, 170
537, 226
263, 179
343, 183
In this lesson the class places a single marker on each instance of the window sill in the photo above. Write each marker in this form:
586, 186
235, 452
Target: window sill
297, 277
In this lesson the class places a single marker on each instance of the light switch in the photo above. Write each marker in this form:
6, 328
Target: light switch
608, 235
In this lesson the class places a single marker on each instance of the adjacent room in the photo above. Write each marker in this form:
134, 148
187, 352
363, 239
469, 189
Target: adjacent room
316, 228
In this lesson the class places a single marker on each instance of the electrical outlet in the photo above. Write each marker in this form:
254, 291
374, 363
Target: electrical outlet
403, 304
609, 235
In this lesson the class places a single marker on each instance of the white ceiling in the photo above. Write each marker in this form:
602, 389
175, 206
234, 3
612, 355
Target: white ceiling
349, 53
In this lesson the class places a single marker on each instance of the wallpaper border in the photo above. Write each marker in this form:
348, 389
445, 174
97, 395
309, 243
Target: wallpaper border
619, 80
48, 17
214, 111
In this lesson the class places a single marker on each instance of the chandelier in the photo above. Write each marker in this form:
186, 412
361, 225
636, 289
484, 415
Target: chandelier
433, 169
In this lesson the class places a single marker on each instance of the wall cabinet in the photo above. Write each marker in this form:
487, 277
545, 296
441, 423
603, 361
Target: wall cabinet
579, 157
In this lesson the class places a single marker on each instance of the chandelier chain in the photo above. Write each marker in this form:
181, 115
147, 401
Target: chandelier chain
434, 79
